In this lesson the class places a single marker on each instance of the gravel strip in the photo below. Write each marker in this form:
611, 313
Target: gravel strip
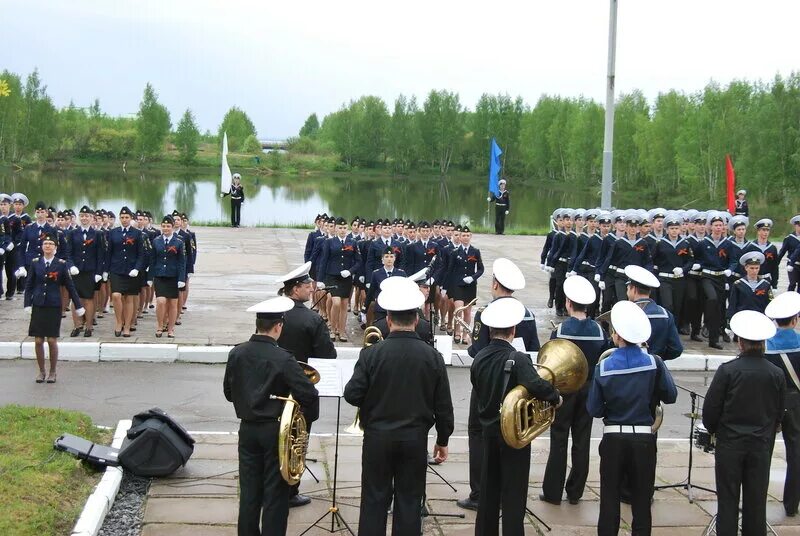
125, 517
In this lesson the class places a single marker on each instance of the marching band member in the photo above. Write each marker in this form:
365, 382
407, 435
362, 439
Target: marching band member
623, 389
743, 408
396, 415
304, 333
255, 370
497, 369
573, 415
43, 301
506, 278
783, 351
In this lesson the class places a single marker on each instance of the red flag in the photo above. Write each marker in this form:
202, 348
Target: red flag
731, 184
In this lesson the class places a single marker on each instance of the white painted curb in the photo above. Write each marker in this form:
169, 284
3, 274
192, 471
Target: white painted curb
160, 353
203, 354
68, 351
9, 350
102, 498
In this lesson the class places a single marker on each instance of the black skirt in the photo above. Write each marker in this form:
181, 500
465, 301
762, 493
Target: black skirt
45, 322
343, 285
84, 284
142, 277
466, 293
125, 285
166, 287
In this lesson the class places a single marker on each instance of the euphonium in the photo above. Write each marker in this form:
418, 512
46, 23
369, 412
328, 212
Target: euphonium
522, 417
293, 433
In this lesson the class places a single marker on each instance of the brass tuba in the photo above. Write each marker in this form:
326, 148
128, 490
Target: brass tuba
293, 433
522, 417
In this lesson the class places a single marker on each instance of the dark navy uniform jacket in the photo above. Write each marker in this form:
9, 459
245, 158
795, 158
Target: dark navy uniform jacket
85, 250
586, 259
310, 244
419, 255
605, 249
563, 246
790, 244
440, 270
652, 241
548, 243
30, 245
5, 234
670, 255
624, 252
375, 254
713, 256
375, 281
664, 340
736, 253
168, 259
786, 341
363, 246
44, 282
526, 330
769, 268
464, 263
316, 249
337, 255
745, 296
125, 250
305, 334
587, 335
627, 384
16, 224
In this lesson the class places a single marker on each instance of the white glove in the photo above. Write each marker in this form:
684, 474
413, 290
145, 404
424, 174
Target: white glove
367, 285
550, 269
222, 195
443, 292
541, 267
727, 273
105, 276
133, 273
789, 268
149, 283
468, 280
571, 273
727, 286
74, 270
181, 284
488, 199
601, 285
695, 267
80, 311
2, 251
506, 212
10, 246
22, 272
320, 285
596, 278
97, 278
345, 273
28, 309
361, 279
677, 270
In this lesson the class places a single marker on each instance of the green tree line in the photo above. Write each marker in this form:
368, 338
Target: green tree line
32, 129
676, 143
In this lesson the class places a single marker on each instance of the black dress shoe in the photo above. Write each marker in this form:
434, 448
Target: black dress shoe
573, 501
791, 513
725, 337
550, 501
550, 303
684, 331
467, 504
715, 345
299, 500
696, 337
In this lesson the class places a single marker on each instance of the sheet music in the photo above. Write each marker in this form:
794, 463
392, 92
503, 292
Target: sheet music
518, 344
333, 375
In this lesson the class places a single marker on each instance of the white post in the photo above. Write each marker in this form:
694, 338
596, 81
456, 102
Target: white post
608, 139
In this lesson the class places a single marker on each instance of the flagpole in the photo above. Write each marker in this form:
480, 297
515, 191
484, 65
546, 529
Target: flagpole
608, 138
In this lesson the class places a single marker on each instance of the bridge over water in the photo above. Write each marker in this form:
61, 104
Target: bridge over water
274, 144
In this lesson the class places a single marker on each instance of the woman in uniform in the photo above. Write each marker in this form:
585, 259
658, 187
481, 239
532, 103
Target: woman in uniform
168, 273
85, 255
466, 267
339, 259
43, 301
125, 259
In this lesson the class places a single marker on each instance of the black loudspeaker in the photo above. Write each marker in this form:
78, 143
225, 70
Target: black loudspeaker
155, 445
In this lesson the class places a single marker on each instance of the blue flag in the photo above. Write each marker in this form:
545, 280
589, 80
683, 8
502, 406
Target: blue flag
494, 168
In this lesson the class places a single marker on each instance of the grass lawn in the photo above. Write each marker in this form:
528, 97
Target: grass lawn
42, 491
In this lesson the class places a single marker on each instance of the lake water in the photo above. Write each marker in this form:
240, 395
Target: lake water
292, 200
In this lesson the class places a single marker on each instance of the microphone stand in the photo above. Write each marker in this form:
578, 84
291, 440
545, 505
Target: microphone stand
687, 483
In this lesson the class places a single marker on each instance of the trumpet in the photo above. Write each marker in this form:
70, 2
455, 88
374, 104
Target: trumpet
458, 316
372, 335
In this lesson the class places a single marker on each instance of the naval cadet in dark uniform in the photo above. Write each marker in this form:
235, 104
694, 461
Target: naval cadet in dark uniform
741, 207
237, 198
6, 247
664, 340
423, 328
626, 250
506, 278
558, 258
783, 351
743, 408
791, 244
573, 416
305, 333
673, 255
713, 258
17, 221
749, 293
396, 415
769, 267
85, 258
548, 244
496, 370
502, 206
622, 392
48, 274
256, 370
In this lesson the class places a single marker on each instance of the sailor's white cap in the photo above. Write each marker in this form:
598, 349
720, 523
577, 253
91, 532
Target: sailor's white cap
763, 222
20, 197
737, 220
795, 220
419, 278
752, 326
630, 322
508, 274
298, 275
751, 257
400, 295
741, 192
579, 290
236, 176
5, 197
503, 313
785, 305
272, 308
640, 276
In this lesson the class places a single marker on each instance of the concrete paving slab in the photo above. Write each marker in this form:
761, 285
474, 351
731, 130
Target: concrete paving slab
214, 487
206, 469
186, 510
175, 529
211, 451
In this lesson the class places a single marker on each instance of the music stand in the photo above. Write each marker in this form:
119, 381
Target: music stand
687, 483
425, 512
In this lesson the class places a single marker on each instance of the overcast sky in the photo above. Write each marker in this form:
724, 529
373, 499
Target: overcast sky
281, 61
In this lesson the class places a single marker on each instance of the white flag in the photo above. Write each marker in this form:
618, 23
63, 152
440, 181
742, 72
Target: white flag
225, 178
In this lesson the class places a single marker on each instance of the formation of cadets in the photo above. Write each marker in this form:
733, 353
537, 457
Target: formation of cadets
127, 263
349, 263
707, 267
